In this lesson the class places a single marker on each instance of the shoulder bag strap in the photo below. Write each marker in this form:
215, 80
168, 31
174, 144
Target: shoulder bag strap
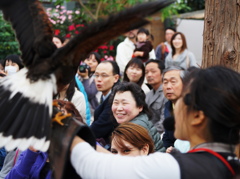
216, 155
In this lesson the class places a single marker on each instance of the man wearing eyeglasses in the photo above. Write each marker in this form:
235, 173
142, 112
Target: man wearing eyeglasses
106, 76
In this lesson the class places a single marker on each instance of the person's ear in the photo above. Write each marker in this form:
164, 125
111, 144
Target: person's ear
145, 149
116, 78
140, 109
198, 118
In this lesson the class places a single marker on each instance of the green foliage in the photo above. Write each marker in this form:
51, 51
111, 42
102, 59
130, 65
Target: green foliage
196, 4
8, 43
174, 9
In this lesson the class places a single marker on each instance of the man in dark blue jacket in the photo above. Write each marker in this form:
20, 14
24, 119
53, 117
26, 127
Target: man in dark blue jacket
172, 88
106, 76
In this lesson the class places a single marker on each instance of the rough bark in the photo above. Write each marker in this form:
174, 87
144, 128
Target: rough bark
221, 36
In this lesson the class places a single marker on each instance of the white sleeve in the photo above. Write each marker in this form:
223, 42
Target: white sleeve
79, 101
152, 55
91, 164
123, 55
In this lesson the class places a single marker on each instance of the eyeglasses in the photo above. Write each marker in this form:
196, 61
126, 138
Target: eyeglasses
102, 76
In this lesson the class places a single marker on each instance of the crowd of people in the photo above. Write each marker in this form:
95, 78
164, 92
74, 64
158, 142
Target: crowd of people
155, 103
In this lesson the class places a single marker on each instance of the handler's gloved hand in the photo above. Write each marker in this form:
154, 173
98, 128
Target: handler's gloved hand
61, 140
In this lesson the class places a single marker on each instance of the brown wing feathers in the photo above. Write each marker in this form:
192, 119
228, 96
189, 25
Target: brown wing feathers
33, 29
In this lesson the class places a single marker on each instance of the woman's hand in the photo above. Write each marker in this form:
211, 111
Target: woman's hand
83, 75
138, 54
169, 149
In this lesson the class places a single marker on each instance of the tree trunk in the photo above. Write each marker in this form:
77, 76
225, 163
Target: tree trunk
221, 36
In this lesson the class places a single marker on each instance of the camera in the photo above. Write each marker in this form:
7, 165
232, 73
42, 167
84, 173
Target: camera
83, 67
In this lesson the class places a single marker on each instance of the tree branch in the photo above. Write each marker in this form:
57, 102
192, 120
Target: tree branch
98, 9
87, 10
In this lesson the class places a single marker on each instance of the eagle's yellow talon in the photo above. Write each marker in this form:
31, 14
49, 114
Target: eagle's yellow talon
59, 117
55, 103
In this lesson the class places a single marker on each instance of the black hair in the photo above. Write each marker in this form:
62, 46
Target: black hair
97, 56
137, 93
115, 67
143, 30
14, 58
160, 64
2, 62
71, 90
135, 62
216, 92
170, 28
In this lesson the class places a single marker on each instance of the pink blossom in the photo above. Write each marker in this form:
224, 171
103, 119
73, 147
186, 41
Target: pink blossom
69, 12
70, 17
53, 22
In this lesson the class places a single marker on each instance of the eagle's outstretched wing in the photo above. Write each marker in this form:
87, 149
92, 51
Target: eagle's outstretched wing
33, 29
26, 97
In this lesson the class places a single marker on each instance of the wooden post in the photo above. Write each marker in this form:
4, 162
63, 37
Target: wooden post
221, 37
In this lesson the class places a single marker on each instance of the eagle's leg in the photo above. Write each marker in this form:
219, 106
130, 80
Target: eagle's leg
59, 116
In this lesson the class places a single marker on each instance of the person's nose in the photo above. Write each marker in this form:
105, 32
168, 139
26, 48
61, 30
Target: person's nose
149, 74
10, 63
120, 107
169, 85
98, 79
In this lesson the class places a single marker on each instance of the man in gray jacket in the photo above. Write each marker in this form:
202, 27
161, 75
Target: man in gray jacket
155, 98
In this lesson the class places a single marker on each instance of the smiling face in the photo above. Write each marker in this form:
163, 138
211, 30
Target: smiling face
134, 73
127, 149
172, 85
124, 107
177, 42
132, 34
